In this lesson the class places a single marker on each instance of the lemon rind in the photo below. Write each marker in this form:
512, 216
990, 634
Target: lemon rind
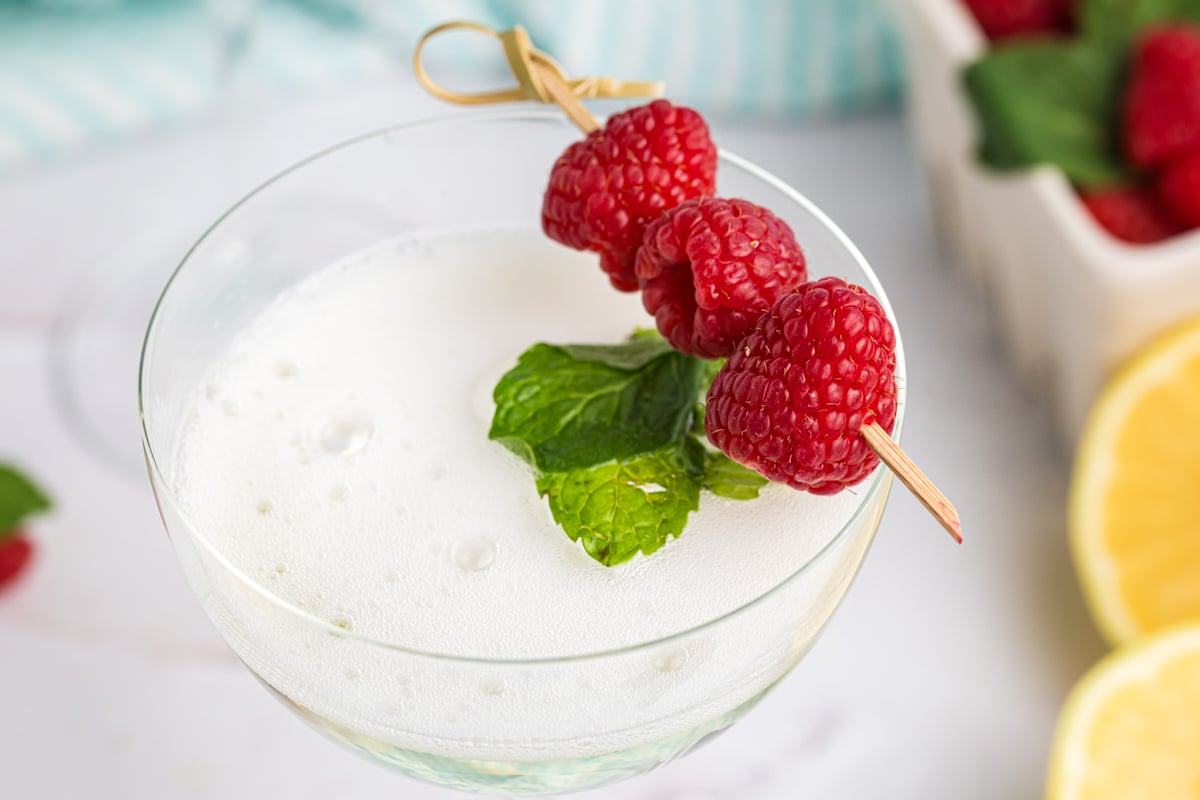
1095, 464
1139, 662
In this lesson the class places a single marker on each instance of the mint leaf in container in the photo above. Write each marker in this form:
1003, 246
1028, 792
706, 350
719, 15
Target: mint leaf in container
564, 407
19, 498
1050, 102
620, 508
1118, 22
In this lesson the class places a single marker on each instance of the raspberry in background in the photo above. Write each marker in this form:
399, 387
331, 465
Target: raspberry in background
1001, 19
15, 553
1162, 104
708, 269
792, 399
606, 188
1178, 186
1133, 215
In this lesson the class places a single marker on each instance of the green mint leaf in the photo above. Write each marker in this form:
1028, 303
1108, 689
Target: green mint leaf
711, 368
615, 436
642, 346
631, 505
1118, 22
562, 408
1051, 102
632, 355
725, 477
19, 498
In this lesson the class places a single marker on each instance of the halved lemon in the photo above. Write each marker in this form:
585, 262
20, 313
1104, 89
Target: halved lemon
1134, 509
1131, 728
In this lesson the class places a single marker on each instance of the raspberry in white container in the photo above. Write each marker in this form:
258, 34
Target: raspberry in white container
1069, 301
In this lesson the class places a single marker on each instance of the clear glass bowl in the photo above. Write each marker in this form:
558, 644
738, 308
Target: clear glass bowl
468, 171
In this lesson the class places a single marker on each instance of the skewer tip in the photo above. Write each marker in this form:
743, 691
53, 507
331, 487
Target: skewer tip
916, 480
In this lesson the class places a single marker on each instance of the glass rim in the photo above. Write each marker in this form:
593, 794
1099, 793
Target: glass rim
166, 495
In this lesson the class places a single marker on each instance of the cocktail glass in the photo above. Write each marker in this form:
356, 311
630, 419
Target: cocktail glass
619, 713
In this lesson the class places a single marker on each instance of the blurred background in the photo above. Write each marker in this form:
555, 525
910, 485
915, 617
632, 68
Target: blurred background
128, 126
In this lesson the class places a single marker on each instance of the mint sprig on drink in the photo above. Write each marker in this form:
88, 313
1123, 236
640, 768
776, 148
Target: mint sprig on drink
609, 430
572, 406
622, 507
724, 477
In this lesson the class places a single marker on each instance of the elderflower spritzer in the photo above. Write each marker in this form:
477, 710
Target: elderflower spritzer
317, 393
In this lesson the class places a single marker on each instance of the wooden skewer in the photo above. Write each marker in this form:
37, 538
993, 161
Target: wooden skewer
539, 78
911, 476
567, 100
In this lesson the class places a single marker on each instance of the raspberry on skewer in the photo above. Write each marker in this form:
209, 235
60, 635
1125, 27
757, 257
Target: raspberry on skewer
708, 269
808, 398
605, 189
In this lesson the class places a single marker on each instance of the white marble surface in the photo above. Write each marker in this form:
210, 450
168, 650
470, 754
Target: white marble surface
940, 677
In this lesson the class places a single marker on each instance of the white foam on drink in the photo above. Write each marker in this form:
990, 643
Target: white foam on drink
344, 435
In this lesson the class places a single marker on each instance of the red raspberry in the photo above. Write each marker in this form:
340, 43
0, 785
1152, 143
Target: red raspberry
1179, 189
1003, 18
792, 399
1131, 214
15, 553
710, 268
1162, 106
604, 189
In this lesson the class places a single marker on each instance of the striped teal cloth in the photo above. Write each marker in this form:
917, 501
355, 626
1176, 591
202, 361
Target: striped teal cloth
749, 57
78, 72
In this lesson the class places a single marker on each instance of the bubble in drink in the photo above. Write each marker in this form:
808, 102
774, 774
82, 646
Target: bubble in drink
474, 554
347, 434
671, 662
